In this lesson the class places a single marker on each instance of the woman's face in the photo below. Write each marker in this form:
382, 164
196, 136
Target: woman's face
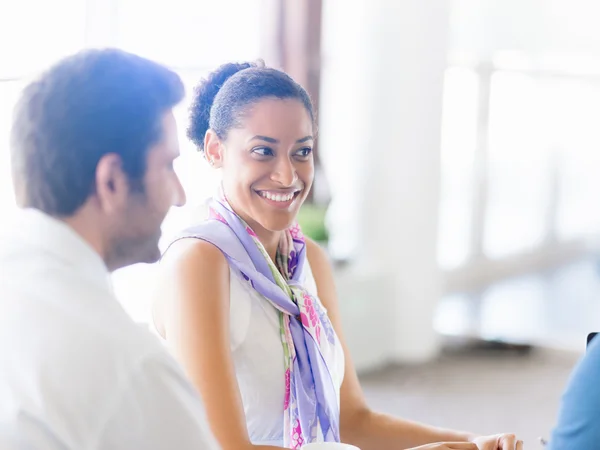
267, 163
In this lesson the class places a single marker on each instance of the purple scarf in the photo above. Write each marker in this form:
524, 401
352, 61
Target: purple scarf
308, 338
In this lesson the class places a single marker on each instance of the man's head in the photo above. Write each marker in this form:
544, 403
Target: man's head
93, 143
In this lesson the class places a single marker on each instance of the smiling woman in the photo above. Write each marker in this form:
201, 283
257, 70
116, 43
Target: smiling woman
267, 180
247, 303
256, 125
267, 164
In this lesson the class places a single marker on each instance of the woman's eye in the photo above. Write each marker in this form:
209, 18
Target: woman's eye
304, 152
263, 151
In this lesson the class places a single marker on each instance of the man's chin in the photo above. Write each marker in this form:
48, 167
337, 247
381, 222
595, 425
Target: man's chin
152, 256
127, 252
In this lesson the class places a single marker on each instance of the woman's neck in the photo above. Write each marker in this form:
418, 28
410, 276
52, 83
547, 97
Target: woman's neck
269, 240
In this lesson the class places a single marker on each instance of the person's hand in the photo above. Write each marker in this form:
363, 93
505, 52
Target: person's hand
447, 446
498, 442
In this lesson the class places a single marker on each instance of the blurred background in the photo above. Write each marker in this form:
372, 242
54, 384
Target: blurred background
457, 175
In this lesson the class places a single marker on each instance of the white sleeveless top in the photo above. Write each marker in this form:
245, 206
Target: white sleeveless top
259, 360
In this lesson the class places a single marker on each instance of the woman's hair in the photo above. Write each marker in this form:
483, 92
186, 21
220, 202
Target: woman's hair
221, 99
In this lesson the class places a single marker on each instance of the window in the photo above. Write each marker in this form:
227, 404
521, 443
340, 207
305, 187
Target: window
536, 164
536, 160
518, 166
35, 33
459, 134
191, 34
576, 107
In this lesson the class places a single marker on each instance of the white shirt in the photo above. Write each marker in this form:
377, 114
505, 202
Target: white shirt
258, 358
75, 371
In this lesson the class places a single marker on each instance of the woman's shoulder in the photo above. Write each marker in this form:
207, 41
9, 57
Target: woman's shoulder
192, 251
187, 267
322, 272
197, 267
317, 256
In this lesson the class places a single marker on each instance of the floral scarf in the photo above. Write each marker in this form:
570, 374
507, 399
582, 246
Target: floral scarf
307, 336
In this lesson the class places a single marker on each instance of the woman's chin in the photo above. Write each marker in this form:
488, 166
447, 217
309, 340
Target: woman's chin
277, 224
275, 220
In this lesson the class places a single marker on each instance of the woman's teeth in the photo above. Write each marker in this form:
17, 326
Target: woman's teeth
277, 197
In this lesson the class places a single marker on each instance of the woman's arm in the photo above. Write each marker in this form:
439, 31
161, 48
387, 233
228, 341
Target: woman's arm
194, 316
359, 425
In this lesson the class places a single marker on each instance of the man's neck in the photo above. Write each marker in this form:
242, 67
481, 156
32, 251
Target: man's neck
84, 224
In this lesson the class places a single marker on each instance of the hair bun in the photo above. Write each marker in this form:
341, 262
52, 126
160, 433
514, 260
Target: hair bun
204, 96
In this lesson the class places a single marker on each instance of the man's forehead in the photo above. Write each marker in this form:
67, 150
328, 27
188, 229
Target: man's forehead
169, 139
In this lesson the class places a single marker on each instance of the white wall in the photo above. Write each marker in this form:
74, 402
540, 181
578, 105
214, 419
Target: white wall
380, 125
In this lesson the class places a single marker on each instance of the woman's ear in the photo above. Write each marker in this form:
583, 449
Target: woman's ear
213, 149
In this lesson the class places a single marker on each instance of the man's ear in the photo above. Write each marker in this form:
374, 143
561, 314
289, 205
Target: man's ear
112, 185
213, 150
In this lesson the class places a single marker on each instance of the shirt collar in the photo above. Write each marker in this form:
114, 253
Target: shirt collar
63, 242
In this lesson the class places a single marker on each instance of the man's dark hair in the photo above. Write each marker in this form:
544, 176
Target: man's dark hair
86, 106
221, 99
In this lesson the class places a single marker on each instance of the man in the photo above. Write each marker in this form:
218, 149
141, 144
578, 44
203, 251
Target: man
93, 144
578, 424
